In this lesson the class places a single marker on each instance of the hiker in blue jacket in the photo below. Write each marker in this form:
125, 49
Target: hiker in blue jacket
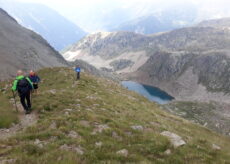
78, 71
35, 79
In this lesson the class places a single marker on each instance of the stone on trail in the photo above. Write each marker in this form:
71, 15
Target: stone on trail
175, 140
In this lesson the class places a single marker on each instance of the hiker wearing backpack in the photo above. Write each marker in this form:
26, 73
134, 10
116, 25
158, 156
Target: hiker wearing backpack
78, 71
24, 86
35, 79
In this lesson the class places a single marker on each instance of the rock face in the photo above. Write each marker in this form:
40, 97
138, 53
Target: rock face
175, 140
23, 49
192, 63
116, 51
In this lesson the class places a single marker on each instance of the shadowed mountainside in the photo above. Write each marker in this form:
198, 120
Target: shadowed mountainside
21, 48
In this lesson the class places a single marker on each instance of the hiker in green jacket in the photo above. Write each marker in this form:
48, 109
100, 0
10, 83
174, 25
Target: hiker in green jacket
24, 86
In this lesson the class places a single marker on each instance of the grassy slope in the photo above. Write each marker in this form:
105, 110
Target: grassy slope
8, 115
102, 102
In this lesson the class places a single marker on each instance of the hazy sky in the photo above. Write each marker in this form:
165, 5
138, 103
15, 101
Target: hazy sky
72, 3
85, 12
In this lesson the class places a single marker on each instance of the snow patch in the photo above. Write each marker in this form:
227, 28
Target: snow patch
104, 34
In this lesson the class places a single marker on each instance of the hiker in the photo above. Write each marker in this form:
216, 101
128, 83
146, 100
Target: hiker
35, 79
24, 86
78, 70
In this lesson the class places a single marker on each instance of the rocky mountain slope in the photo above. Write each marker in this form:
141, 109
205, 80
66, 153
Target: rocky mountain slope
55, 28
191, 63
95, 120
21, 48
109, 50
217, 23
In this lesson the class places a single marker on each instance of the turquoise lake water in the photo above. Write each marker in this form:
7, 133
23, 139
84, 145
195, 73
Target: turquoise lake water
152, 93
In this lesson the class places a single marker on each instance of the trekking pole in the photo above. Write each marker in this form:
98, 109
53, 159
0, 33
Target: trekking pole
15, 102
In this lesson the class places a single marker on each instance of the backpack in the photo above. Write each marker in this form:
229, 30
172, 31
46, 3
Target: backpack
23, 86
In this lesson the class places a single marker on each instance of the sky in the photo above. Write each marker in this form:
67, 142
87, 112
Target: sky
95, 13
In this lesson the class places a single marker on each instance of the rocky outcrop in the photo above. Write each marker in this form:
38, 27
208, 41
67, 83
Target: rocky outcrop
188, 75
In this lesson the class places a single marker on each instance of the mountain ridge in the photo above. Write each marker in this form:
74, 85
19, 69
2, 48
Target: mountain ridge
186, 47
23, 49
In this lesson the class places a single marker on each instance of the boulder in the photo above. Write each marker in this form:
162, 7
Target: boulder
175, 140
123, 152
216, 147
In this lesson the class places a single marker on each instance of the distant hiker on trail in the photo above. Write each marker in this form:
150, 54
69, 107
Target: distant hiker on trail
78, 71
24, 86
35, 79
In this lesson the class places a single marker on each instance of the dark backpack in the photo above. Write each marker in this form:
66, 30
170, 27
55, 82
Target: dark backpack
23, 86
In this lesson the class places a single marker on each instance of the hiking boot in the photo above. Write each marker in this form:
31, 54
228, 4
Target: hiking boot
27, 112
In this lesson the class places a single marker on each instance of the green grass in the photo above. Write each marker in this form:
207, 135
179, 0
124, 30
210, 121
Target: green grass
103, 102
8, 114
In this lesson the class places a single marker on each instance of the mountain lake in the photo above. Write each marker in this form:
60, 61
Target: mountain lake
152, 93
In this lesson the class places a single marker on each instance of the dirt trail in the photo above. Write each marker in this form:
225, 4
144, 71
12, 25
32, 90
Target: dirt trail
24, 122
